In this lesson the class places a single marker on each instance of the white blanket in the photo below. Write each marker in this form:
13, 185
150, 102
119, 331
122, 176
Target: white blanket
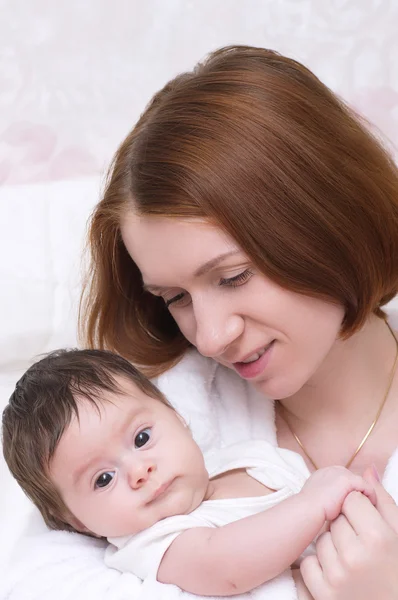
66, 566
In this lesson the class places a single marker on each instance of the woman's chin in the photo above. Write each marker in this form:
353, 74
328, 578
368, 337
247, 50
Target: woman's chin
275, 389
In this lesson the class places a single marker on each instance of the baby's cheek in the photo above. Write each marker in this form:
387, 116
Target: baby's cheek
106, 513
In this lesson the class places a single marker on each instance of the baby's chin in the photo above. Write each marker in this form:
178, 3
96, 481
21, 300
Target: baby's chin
185, 502
179, 507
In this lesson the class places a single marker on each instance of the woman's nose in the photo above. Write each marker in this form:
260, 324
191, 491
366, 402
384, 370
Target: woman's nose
139, 473
217, 327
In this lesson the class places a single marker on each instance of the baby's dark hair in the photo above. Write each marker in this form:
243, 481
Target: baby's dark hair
41, 407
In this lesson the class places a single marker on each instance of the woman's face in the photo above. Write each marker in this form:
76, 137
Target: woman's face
276, 338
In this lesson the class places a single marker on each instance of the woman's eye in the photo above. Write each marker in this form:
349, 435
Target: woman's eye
237, 279
104, 479
183, 298
142, 438
179, 299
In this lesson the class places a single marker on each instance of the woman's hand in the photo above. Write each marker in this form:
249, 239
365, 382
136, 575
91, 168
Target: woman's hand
301, 589
358, 557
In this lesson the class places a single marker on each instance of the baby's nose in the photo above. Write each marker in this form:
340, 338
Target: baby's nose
139, 475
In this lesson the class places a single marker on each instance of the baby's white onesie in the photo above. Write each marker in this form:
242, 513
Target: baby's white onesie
276, 468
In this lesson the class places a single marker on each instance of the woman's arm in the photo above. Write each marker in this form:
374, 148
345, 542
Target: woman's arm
242, 555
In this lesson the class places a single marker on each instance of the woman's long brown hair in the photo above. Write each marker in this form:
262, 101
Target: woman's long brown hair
253, 142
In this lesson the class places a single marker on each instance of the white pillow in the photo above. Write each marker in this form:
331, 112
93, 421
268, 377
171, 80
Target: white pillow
41, 233
42, 228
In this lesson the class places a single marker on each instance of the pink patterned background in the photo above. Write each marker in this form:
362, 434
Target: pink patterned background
74, 75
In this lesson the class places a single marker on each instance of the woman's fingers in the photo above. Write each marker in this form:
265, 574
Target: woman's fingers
358, 556
329, 559
362, 515
343, 535
312, 574
385, 504
325, 550
303, 592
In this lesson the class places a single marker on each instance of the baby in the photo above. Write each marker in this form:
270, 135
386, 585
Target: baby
99, 450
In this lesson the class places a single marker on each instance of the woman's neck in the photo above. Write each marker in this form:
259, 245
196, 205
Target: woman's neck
350, 385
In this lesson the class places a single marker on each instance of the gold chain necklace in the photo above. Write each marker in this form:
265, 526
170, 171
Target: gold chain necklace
284, 411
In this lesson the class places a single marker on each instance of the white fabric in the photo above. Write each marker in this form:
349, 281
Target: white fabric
276, 468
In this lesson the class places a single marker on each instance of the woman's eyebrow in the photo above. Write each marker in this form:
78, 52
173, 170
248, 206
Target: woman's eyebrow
214, 262
205, 268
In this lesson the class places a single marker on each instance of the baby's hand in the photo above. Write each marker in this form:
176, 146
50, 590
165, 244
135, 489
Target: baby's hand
330, 486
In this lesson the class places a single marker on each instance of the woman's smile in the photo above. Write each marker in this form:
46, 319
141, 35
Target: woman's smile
256, 363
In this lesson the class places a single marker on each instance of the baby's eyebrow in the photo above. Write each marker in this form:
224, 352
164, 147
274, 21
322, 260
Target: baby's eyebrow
202, 270
131, 415
77, 475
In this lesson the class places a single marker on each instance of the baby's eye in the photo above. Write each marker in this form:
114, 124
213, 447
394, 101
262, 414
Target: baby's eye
104, 479
142, 437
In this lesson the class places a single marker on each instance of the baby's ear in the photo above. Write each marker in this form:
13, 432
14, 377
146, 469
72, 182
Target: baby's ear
79, 527
183, 421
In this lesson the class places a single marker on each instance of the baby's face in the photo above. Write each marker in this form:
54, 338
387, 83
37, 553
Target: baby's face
125, 466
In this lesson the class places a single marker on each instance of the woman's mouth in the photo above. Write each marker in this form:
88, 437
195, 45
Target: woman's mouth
254, 364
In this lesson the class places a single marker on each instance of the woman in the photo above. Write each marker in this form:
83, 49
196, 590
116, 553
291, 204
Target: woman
251, 215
